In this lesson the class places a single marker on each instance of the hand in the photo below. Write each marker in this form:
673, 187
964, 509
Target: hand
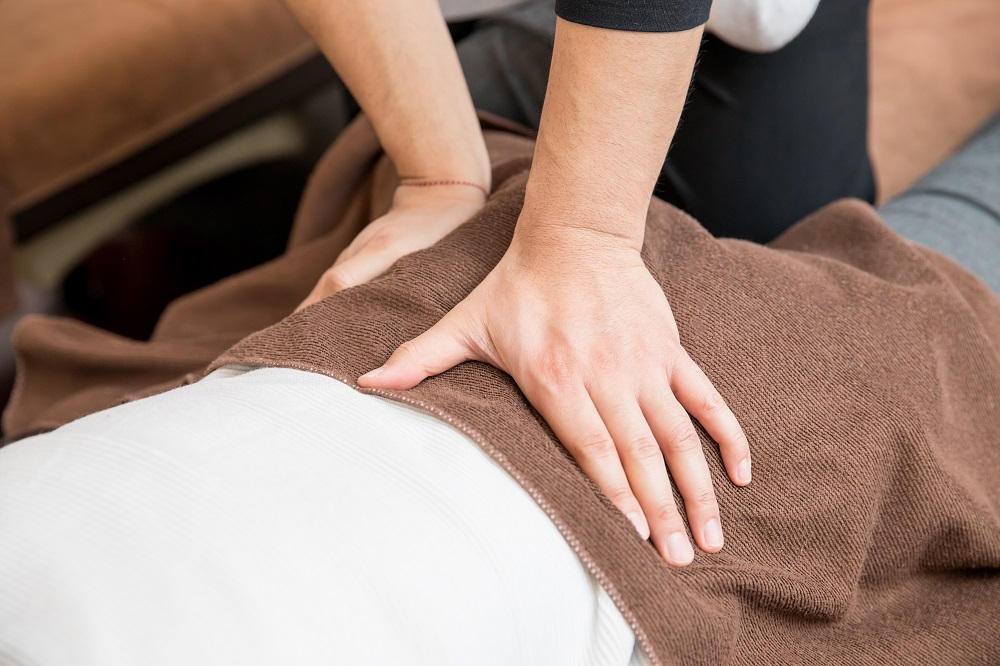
577, 320
419, 217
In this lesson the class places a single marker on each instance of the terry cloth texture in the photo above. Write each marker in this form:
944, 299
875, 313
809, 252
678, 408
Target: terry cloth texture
864, 369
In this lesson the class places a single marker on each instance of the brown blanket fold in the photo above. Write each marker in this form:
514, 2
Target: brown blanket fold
865, 371
8, 296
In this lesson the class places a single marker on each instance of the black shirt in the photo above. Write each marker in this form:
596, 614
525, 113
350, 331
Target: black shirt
636, 15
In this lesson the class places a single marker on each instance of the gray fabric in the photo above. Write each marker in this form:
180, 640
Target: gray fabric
955, 210
463, 10
506, 61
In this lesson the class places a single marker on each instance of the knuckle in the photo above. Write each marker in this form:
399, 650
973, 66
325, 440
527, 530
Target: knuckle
712, 402
620, 495
555, 367
604, 360
381, 239
335, 280
683, 439
705, 498
645, 449
665, 511
675, 352
739, 442
596, 446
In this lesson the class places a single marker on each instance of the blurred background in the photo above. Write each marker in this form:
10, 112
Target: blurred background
149, 148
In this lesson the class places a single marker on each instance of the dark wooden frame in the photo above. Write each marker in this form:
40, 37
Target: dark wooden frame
283, 89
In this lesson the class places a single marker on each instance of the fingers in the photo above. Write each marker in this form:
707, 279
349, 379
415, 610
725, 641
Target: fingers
644, 465
362, 266
688, 467
333, 280
575, 421
441, 347
697, 394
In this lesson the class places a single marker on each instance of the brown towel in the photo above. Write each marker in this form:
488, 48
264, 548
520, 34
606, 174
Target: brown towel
865, 371
8, 298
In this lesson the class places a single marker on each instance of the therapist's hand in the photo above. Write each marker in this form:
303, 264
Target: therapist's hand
419, 217
577, 320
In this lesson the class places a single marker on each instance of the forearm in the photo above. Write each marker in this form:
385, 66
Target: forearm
398, 61
612, 105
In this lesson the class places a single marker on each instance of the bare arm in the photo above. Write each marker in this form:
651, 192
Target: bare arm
611, 108
397, 59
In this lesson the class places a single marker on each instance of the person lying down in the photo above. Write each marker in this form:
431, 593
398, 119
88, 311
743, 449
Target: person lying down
272, 512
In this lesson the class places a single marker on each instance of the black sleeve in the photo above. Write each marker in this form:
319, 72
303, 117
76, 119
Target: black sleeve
636, 15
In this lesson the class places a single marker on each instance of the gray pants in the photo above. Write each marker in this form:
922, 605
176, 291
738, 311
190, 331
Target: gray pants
955, 210
506, 60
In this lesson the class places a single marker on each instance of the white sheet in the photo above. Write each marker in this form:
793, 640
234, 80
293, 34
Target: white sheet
279, 517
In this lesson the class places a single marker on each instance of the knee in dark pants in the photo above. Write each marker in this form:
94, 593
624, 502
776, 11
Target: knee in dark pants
769, 138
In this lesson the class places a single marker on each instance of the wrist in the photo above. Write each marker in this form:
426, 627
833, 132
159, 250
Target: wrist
436, 194
606, 199
601, 219
563, 232
446, 162
446, 185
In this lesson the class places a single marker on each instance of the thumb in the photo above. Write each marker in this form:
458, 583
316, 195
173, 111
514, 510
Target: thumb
440, 348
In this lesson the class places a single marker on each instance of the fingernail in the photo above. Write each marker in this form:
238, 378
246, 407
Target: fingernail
743, 471
679, 550
373, 374
640, 525
713, 533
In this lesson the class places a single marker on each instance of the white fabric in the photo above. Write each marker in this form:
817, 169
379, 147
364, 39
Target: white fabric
760, 26
273, 516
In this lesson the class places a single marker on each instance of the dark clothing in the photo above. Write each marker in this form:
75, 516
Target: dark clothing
764, 140
636, 15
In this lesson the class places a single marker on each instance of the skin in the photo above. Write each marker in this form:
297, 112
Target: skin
418, 218
397, 59
570, 311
